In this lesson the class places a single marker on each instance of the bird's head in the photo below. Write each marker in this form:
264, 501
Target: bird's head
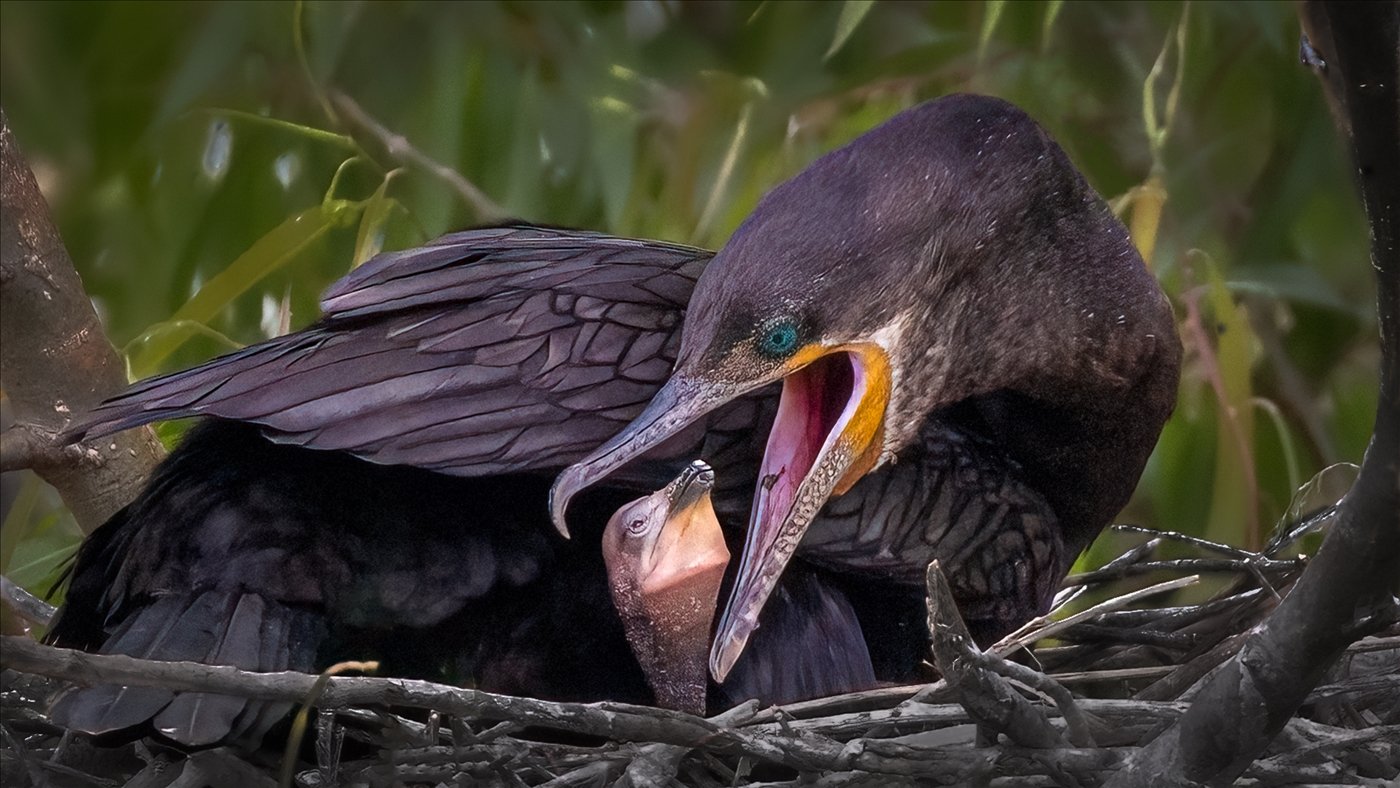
952, 252
665, 556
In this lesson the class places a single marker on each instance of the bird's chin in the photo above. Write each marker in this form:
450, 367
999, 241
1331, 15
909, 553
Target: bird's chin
826, 435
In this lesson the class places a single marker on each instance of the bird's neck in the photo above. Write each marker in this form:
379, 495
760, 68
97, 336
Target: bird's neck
669, 632
1077, 401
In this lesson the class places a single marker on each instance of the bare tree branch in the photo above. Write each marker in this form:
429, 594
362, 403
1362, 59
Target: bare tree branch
55, 360
613, 720
29, 607
988, 698
401, 151
1350, 586
873, 742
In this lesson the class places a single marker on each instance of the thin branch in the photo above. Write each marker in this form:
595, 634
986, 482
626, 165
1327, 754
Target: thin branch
27, 606
1250, 565
1229, 551
1041, 628
875, 745
611, 720
403, 152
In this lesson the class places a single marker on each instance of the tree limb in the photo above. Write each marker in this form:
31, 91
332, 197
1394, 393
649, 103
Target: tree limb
27, 606
1351, 582
403, 152
55, 360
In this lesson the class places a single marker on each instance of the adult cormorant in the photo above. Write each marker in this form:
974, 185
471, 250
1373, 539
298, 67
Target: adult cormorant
971, 353
948, 273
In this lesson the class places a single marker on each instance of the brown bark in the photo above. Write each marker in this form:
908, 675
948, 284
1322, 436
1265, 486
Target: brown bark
55, 360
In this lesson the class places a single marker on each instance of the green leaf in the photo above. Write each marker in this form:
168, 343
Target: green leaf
1285, 438
39, 536
989, 25
299, 129
19, 521
1234, 509
267, 254
139, 360
614, 153
1295, 283
852, 12
719, 191
369, 240
1047, 27
220, 40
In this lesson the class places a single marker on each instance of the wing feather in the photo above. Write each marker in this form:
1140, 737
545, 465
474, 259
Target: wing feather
486, 351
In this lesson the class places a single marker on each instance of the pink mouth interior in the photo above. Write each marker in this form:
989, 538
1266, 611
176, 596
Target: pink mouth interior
817, 401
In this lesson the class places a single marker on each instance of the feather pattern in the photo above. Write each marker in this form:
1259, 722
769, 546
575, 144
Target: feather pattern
484, 352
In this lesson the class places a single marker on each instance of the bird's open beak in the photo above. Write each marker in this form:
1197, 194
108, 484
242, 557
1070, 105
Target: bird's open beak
689, 549
827, 434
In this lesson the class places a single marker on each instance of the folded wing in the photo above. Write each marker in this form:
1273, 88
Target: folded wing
484, 352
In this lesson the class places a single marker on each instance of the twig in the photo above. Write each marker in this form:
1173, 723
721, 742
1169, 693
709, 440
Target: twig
877, 698
1230, 551
611, 720
1250, 565
988, 698
914, 717
1039, 629
27, 606
656, 764
403, 152
1121, 674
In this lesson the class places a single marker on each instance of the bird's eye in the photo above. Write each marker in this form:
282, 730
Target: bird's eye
778, 340
637, 526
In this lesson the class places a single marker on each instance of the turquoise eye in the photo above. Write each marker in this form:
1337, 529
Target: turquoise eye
778, 340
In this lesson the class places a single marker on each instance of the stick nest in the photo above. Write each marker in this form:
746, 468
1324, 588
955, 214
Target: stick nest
1065, 700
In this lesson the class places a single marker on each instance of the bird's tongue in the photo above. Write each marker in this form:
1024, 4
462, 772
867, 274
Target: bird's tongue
825, 437
813, 402
800, 467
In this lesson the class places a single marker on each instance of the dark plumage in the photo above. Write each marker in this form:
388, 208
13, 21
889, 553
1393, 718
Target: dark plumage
949, 270
268, 557
969, 348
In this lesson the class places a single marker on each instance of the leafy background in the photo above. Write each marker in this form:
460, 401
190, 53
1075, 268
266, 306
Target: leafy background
209, 186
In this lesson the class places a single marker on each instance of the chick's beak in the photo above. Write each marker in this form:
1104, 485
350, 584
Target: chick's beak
690, 547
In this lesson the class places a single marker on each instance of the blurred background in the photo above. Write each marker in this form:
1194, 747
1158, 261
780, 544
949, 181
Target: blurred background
213, 166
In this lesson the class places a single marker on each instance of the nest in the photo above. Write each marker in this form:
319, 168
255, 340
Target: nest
1065, 700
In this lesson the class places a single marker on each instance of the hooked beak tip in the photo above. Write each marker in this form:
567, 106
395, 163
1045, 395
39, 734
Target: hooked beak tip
559, 496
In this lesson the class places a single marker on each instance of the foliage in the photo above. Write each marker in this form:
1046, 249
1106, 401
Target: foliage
208, 187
